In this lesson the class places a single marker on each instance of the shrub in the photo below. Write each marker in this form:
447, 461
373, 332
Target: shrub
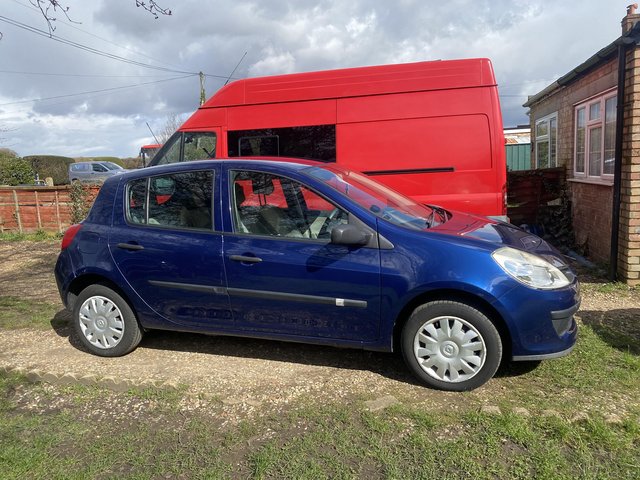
14, 170
52, 166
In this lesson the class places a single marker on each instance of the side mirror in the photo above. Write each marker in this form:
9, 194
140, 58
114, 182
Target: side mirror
349, 235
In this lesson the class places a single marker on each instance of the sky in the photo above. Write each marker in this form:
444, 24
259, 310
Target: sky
60, 99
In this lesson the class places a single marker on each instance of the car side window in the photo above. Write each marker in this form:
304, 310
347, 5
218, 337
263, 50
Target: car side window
180, 200
271, 205
96, 167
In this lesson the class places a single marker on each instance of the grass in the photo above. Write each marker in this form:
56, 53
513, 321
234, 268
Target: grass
38, 236
17, 313
88, 432
310, 441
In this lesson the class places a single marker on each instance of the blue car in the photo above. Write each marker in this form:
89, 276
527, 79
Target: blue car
313, 253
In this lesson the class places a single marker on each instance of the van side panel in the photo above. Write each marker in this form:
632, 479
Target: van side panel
275, 115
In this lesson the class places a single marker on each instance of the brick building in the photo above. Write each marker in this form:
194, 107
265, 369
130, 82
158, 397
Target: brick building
576, 123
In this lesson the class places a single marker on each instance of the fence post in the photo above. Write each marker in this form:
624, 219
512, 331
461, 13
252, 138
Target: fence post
58, 213
38, 210
18, 219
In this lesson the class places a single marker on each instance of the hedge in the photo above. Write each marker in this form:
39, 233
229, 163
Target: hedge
53, 166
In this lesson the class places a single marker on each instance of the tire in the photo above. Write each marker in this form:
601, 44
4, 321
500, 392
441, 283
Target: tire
433, 340
105, 323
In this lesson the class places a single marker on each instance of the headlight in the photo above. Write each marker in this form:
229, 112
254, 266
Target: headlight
529, 269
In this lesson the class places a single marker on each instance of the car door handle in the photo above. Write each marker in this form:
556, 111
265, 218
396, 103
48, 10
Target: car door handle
130, 246
245, 259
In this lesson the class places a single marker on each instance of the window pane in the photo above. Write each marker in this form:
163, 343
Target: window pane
172, 154
137, 201
553, 134
594, 111
181, 200
580, 140
609, 135
265, 204
542, 154
317, 142
542, 128
199, 146
595, 152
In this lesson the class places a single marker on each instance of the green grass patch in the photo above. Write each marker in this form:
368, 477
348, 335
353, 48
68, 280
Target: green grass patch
18, 313
38, 236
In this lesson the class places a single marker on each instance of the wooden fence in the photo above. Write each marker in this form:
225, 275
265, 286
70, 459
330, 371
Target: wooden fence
531, 192
29, 209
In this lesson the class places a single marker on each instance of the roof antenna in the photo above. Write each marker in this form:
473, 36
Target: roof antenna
154, 135
234, 70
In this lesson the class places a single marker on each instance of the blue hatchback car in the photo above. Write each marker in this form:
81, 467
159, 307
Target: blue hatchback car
310, 252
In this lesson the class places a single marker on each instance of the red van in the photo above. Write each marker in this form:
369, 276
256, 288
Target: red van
431, 130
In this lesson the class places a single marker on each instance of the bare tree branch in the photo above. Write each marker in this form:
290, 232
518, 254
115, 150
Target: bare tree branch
49, 9
153, 8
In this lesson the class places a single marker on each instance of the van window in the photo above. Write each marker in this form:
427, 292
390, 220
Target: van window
317, 142
187, 146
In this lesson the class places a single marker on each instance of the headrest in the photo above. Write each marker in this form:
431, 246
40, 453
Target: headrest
262, 185
239, 192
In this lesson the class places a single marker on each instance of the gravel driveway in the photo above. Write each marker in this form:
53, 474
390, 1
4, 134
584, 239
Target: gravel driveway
243, 374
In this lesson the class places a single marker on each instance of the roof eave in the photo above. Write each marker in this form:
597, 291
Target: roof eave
602, 56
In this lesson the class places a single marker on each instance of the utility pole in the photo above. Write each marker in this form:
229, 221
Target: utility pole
202, 94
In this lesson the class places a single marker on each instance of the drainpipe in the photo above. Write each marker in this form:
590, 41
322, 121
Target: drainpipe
617, 173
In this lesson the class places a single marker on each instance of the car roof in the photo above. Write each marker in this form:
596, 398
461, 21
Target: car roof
295, 164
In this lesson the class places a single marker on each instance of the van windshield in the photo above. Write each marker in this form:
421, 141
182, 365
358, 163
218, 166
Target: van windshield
112, 166
382, 201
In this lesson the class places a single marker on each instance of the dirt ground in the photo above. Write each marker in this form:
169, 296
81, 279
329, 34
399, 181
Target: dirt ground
244, 375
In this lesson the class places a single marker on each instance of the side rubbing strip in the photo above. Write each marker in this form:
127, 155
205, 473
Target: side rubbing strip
410, 171
190, 286
293, 297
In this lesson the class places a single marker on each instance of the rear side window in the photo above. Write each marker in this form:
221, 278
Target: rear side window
179, 200
317, 142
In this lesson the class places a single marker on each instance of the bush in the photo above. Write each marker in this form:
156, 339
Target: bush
14, 170
52, 166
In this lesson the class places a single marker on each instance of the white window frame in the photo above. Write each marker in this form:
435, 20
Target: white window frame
590, 125
539, 139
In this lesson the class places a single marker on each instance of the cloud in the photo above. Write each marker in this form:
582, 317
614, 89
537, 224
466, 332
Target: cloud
530, 43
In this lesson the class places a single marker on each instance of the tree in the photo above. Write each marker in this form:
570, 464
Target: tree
51, 8
172, 124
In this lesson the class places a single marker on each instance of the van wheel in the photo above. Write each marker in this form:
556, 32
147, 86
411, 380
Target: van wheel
451, 346
105, 323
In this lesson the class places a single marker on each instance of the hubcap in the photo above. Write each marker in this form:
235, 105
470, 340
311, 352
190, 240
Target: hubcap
101, 322
449, 349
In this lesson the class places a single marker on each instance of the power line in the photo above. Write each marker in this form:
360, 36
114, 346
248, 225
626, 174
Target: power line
30, 7
52, 74
94, 91
95, 51
85, 48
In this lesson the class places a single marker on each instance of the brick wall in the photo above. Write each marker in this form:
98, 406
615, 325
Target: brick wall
28, 209
591, 217
591, 202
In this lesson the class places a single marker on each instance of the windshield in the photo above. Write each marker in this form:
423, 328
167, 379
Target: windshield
112, 166
377, 198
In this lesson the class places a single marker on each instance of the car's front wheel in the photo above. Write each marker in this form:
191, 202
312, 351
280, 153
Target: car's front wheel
105, 323
451, 345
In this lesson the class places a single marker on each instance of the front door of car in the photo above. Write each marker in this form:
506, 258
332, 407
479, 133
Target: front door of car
284, 276
165, 245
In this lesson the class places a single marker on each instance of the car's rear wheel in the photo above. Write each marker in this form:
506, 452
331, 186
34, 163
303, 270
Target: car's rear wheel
451, 345
105, 323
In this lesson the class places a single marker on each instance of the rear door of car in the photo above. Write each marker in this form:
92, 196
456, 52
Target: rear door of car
167, 244
284, 277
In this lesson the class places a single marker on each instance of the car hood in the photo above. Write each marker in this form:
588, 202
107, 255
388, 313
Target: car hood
497, 233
